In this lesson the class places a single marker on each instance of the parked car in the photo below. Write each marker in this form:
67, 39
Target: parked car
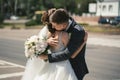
115, 20
13, 17
7, 16
104, 20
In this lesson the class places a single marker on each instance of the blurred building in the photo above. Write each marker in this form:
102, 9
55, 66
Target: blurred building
107, 8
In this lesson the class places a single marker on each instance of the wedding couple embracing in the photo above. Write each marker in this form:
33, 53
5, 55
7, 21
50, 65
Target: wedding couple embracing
65, 55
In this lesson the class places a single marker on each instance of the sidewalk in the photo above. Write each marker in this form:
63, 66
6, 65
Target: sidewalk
104, 40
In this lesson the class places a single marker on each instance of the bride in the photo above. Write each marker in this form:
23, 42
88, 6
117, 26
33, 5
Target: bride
37, 69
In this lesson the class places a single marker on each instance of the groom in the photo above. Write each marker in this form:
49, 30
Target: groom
60, 20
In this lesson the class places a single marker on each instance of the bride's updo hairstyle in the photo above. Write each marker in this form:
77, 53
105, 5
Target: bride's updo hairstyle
59, 16
45, 19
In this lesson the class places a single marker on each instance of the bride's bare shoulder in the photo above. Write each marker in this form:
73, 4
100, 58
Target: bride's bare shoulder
65, 38
65, 34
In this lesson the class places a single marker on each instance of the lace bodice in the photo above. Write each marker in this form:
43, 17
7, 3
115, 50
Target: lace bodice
60, 46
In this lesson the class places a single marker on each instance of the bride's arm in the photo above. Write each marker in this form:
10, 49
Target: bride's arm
80, 48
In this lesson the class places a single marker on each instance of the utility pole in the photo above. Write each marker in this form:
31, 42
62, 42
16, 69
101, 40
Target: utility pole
101, 7
15, 8
28, 7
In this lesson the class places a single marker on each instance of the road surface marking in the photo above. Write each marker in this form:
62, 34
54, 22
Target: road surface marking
17, 65
11, 75
1, 63
8, 66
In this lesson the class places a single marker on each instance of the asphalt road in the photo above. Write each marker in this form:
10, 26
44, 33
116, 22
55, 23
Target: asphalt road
103, 61
102, 55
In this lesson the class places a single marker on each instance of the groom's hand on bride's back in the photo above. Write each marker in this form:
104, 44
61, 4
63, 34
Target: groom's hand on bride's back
52, 41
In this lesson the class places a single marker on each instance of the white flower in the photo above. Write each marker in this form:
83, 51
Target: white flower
35, 46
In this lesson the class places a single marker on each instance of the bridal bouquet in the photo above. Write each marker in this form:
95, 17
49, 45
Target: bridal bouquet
34, 46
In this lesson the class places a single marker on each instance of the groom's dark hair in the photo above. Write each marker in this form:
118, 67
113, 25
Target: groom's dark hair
59, 16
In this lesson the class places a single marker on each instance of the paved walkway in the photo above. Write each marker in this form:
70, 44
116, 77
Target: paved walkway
104, 40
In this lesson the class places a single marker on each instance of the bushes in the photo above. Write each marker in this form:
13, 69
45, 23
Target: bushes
35, 21
31, 23
38, 18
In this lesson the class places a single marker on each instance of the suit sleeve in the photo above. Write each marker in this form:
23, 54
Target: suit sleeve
76, 40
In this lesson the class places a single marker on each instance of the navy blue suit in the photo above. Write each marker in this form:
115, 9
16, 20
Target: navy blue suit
78, 63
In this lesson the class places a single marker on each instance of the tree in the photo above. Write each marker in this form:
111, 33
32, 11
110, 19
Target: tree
28, 7
84, 4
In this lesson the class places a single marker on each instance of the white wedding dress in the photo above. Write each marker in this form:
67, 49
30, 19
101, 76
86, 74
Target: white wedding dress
37, 69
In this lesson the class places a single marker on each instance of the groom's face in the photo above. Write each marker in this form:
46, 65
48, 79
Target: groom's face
59, 27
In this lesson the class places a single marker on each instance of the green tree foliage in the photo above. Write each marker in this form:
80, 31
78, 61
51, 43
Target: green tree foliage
28, 7
85, 5
73, 6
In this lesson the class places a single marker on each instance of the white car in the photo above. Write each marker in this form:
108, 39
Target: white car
14, 17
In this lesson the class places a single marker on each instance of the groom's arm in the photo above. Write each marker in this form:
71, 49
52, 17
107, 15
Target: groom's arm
59, 56
75, 41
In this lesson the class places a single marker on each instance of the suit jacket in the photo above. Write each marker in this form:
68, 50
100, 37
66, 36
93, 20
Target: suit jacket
78, 63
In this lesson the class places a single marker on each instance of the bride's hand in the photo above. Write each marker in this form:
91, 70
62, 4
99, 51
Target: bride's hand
43, 56
52, 41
